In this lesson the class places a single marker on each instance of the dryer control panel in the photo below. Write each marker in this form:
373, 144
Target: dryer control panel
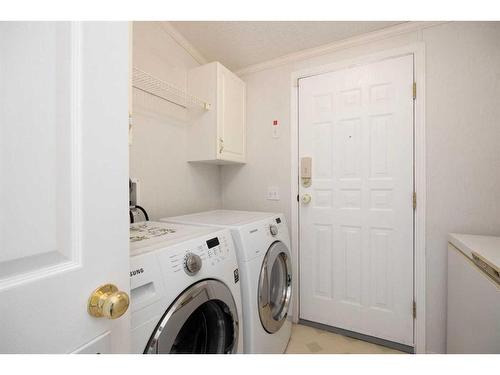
273, 226
254, 239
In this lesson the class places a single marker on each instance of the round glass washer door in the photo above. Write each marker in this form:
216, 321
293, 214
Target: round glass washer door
275, 287
202, 320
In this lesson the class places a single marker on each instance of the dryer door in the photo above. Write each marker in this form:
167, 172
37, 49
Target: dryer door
275, 287
203, 320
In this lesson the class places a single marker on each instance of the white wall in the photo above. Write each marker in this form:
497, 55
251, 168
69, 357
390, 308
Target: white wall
168, 184
463, 131
463, 155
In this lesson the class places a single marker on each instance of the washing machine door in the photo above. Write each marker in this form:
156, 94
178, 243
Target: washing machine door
275, 287
202, 320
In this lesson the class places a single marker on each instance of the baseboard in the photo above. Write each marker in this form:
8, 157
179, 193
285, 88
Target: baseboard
360, 336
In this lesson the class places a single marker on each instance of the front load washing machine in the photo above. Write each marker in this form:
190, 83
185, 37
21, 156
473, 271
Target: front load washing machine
185, 290
262, 245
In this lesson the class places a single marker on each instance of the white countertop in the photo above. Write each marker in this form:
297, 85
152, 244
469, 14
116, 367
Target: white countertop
488, 247
150, 235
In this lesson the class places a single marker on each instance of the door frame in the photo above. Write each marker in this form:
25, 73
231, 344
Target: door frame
419, 262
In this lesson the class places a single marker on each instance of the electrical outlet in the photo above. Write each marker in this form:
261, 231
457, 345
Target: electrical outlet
273, 193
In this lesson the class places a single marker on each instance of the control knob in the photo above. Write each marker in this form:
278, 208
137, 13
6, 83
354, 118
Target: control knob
273, 229
192, 264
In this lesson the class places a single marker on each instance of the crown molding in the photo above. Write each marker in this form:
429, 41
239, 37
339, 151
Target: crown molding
388, 32
183, 42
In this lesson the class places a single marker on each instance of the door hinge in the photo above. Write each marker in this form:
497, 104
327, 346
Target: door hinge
414, 200
414, 310
297, 197
414, 90
221, 145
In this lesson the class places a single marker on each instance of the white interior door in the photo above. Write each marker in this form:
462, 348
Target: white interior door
356, 234
64, 169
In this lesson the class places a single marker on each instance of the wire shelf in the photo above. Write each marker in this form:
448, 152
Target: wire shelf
164, 90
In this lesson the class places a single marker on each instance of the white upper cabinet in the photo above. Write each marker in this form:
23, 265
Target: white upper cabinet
217, 135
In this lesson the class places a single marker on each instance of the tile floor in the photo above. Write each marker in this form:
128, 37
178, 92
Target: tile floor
308, 340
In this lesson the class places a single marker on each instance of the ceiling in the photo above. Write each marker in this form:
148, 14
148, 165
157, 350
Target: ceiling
238, 44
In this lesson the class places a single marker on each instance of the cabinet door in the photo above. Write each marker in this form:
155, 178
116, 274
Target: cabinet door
231, 124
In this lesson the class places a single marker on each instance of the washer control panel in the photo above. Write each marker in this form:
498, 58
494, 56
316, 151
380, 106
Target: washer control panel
207, 252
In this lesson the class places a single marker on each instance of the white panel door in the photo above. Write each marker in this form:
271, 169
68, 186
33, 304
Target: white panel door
64, 169
356, 234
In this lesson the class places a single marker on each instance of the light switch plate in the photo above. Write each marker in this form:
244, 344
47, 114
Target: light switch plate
273, 193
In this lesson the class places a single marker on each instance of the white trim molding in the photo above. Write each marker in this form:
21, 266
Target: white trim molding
183, 42
419, 273
373, 36
419, 269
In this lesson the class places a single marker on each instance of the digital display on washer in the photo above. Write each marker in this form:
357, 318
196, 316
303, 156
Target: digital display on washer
213, 242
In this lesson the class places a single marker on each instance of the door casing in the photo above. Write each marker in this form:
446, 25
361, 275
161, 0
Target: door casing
418, 52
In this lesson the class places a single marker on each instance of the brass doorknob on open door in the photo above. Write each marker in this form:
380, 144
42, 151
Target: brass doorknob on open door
108, 302
306, 198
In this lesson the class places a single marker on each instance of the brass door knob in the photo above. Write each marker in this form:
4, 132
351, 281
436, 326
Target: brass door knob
306, 199
108, 302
